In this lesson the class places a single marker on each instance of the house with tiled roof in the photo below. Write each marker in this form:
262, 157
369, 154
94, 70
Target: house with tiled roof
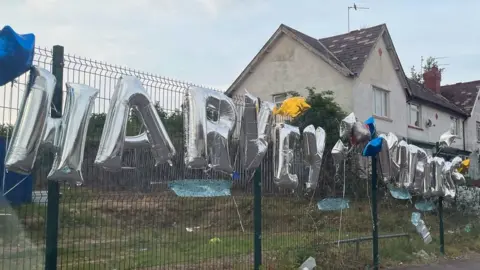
466, 95
364, 72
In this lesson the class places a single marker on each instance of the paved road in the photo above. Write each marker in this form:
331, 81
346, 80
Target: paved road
450, 265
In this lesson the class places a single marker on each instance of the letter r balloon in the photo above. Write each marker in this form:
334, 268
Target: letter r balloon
209, 121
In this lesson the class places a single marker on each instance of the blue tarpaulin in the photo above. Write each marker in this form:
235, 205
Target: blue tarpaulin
425, 206
201, 188
333, 204
16, 54
399, 193
14, 188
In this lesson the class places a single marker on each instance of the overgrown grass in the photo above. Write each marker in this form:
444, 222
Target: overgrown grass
116, 231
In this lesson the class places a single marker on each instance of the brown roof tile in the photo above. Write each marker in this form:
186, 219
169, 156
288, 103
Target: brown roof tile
462, 94
421, 92
354, 47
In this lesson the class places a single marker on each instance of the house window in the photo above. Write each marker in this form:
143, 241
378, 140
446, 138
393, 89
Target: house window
380, 102
478, 131
414, 115
455, 125
278, 99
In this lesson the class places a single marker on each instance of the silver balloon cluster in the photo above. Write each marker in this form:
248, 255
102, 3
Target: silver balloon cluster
401, 164
209, 121
286, 138
410, 167
353, 133
35, 130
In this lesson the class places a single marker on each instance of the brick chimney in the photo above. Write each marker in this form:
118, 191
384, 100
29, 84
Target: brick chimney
432, 79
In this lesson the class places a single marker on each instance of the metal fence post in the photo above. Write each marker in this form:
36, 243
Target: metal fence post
53, 204
374, 214
257, 218
440, 210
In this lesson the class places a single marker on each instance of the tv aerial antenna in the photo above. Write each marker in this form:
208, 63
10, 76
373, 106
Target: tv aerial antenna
355, 8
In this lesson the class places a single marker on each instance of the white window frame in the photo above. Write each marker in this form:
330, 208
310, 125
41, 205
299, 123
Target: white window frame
418, 109
456, 125
478, 131
278, 99
385, 102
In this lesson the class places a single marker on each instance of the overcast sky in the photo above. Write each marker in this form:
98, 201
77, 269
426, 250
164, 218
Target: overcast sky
209, 42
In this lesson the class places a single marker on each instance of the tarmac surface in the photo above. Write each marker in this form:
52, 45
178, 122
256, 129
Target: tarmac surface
447, 265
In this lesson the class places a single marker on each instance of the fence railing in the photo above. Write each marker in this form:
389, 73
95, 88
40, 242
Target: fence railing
132, 219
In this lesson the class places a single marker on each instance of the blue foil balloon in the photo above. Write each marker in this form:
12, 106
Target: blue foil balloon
16, 54
373, 147
370, 122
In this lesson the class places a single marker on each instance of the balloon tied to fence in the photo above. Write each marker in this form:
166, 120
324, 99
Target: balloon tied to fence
210, 119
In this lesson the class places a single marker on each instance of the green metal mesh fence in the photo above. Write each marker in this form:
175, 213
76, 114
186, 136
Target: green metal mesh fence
132, 220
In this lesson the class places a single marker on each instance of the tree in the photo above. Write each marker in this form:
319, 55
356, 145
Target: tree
324, 112
429, 64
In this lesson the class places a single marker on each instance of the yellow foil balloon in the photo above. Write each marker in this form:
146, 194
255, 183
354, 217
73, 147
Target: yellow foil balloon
292, 107
464, 167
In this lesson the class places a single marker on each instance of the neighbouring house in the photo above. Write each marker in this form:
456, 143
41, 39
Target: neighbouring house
466, 95
363, 70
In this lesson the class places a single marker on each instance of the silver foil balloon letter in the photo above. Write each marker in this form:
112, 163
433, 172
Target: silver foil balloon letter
129, 93
457, 177
69, 141
412, 158
346, 127
448, 185
210, 119
386, 156
65, 136
436, 186
428, 182
313, 147
339, 153
420, 171
255, 131
285, 139
30, 125
401, 162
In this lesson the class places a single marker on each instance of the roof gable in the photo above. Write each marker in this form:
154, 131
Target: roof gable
347, 53
310, 43
317, 45
463, 95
